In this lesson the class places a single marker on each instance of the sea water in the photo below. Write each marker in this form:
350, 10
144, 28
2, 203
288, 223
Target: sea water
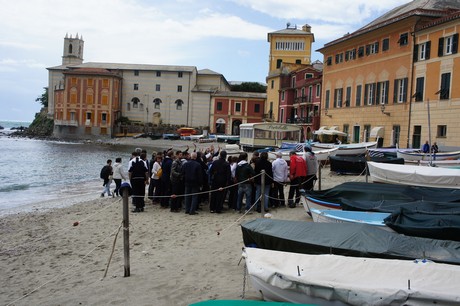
40, 174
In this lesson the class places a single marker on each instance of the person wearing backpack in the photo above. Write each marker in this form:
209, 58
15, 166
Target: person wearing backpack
139, 177
106, 175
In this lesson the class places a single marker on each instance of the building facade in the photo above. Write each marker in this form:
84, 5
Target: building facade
370, 76
229, 109
290, 48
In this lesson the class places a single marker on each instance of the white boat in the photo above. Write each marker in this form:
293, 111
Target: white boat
418, 156
347, 149
344, 216
414, 175
342, 280
232, 149
454, 163
321, 155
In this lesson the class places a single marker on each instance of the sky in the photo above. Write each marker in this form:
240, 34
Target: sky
226, 36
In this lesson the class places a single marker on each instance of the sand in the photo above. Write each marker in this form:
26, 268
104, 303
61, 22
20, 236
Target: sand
59, 257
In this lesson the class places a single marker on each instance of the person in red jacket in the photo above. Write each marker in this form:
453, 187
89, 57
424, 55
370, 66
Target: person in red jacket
297, 176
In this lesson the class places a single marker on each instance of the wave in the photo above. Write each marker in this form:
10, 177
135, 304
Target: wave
14, 187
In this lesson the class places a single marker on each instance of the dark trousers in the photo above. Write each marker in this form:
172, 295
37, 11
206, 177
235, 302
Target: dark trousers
217, 198
138, 186
165, 193
191, 199
278, 192
310, 182
177, 189
296, 185
117, 186
232, 197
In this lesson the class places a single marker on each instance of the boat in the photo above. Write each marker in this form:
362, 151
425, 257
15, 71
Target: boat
418, 156
321, 155
243, 303
232, 149
357, 164
360, 196
186, 131
436, 225
414, 175
388, 152
259, 135
349, 239
171, 136
341, 280
346, 216
230, 139
346, 149
447, 163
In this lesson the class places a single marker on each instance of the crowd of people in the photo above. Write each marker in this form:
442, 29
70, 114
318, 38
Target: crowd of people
210, 178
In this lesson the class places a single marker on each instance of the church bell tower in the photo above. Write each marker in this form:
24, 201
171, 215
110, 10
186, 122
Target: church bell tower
73, 50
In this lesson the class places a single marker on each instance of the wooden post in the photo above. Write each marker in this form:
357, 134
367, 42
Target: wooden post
126, 231
262, 193
319, 175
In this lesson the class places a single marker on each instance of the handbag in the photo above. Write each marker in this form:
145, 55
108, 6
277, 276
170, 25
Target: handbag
160, 172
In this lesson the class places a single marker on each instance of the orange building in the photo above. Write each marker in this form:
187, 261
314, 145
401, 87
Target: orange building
229, 109
87, 104
369, 76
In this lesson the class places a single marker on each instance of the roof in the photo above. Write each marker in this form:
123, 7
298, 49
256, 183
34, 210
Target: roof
428, 8
91, 71
208, 71
122, 66
305, 30
240, 94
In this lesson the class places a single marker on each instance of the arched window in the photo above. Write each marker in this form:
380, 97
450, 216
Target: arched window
135, 101
70, 48
156, 103
179, 103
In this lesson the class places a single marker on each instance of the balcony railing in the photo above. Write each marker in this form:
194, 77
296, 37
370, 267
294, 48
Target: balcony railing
66, 122
303, 99
304, 120
268, 117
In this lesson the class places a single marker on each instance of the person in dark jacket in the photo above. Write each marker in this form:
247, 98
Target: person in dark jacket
165, 180
263, 164
220, 178
177, 183
244, 174
193, 179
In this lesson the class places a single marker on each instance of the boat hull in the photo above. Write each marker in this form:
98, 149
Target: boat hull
352, 149
343, 216
414, 156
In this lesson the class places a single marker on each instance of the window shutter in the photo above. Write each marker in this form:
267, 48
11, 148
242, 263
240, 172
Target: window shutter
377, 47
415, 55
441, 46
387, 87
395, 92
335, 98
427, 50
366, 90
368, 49
455, 44
405, 89
379, 86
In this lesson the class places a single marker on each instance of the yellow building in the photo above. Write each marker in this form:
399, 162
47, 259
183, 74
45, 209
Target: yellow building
290, 48
369, 76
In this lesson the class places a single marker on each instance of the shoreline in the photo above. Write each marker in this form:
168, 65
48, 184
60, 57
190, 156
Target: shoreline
175, 259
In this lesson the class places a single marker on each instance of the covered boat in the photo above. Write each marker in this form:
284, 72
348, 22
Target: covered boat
346, 149
345, 239
342, 280
357, 164
347, 216
414, 175
436, 225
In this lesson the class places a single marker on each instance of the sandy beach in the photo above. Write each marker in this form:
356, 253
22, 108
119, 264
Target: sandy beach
60, 257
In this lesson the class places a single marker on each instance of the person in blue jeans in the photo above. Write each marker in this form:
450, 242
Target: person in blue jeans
244, 174
193, 179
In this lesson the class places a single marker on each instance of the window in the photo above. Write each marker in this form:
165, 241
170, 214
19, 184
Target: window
90, 82
136, 72
308, 75
358, 95
298, 62
419, 84
179, 88
385, 44
157, 87
350, 55
445, 86
105, 83
293, 82
310, 93
339, 58
329, 60
372, 48
361, 51
88, 116
318, 90
422, 51
367, 131
158, 73
441, 131
136, 86
272, 84
257, 108
400, 90
104, 118
135, 101
282, 95
278, 63
219, 106
404, 39
180, 74
348, 97
338, 93
369, 94
156, 103
179, 103
326, 100
237, 107
382, 92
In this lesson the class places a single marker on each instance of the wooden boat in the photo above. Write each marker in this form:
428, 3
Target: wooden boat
436, 225
447, 163
388, 152
342, 280
349, 239
346, 149
321, 155
417, 156
358, 164
345, 216
360, 196
414, 175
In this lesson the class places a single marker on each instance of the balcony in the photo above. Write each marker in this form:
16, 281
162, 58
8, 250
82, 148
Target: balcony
66, 122
301, 120
268, 117
303, 99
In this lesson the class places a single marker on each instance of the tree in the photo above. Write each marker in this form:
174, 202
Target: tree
250, 87
44, 98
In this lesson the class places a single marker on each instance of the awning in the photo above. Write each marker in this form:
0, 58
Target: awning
378, 131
